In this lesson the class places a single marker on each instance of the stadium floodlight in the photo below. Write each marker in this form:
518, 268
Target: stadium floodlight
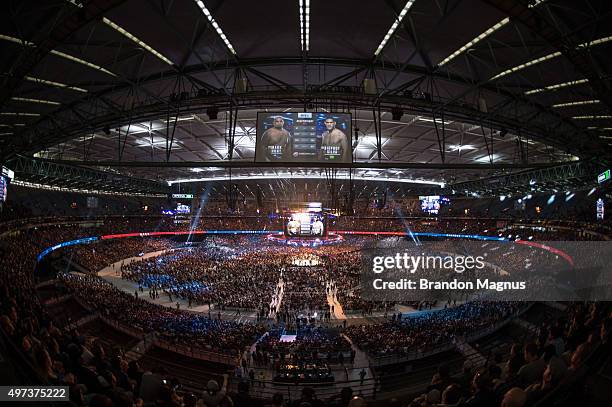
58, 53
75, 3
16, 40
577, 103
526, 64
394, 26
24, 114
557, 86
592, 117
475, 41
305, 25
595, 42
41, 101
535, 3
520, 67
461, 147
215, 25
135, 39
481, 37
81, 61
53, 83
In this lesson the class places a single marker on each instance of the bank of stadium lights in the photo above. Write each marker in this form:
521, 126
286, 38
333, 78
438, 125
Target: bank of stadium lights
599, 128
394, 26
595, 42
461, 147
135, 39
557, 86
58, 53
218, 29
535, 3
75, 3
577, 103
592, 117
520, 67
19, 114
83, 191
475, 41
30, 100
81, 61
16, 40
305, 25
53, 83
12, 125
526, 64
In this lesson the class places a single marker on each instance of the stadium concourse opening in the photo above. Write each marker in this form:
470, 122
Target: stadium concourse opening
306, 204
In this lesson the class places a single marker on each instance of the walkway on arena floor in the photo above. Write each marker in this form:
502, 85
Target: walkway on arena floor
332, 300
112, 274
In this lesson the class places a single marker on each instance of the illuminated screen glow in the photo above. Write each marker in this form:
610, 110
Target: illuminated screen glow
303, 137
305, 224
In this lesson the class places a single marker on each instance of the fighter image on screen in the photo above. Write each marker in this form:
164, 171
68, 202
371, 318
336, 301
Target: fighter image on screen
335, 144
293, 227
317, 228
275, 143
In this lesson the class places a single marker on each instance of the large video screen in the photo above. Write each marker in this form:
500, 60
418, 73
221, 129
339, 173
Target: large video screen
303, 137
305, 224
431, 204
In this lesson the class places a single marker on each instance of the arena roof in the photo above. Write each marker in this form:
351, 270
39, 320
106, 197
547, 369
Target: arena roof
481, 86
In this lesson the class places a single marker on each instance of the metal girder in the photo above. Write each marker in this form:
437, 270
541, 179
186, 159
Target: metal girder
299, 190
62, 29
579, 57
352, 97
578, 174
355, 165
51, 173
564, 136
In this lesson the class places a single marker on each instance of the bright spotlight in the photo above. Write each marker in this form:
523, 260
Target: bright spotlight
551, 199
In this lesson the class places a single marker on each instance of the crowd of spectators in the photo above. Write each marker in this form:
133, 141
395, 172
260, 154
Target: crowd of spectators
535, 371
206, 332
428, 330
555, 359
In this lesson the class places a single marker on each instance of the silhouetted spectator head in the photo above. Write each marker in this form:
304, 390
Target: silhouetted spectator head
515, 397
451, 395
357, 402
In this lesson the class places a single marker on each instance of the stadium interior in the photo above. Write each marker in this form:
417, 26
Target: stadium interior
192, 207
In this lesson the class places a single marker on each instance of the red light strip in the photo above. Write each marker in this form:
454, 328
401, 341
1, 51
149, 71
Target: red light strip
360, 232
558, 252
148, 234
